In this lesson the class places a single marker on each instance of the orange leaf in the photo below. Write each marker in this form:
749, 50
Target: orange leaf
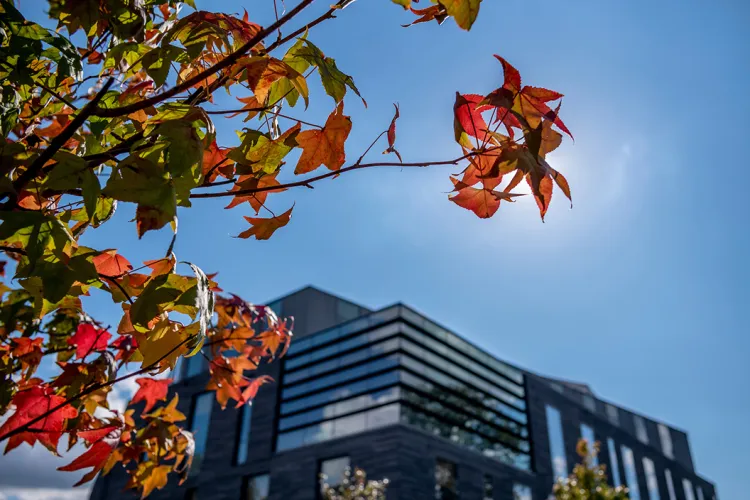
326, 146
249, 393
262, 229
256, 200
110, 263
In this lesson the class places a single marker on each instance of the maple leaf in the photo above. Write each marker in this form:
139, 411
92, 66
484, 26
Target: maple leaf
528, 102
391, 134
468, 120
110, 263
252, 389
103, 442
215, 162
150, 391
163, 345
150, 477
436, 13
88, 339
262, 228
463, 11
326, 146
31, 404
256, 200
483, 202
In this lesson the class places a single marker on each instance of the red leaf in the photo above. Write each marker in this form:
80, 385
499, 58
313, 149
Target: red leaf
110, 263
96, 456
262, 229
91, 436
468, 118
251, 390
88, 339
151, 391
392, 135
33, 403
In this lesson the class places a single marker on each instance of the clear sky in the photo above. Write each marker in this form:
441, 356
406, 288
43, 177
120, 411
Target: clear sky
639, 290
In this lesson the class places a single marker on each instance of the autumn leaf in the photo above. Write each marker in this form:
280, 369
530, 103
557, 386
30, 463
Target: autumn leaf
391, 135
435, 12
150, 390
468, 121
256, 200
110, 263
483, 202
325, 146
88, 339
215, 162
31, 404
103, 442
262, 228
527, 102
248, 394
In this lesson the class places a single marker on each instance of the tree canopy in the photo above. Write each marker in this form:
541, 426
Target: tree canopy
116, 105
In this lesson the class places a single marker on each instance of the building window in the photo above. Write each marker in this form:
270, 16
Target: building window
257, 487
194, 365
332, 472
556, 443
613, 462
177, 371
665, 436
587, 433
670, 484
687, 486
628, 463
191, 494
613, 413
488, 490
199, 425
699, 491
640, 429
243, 443
652, 483
521, 492
589, 403
445, 480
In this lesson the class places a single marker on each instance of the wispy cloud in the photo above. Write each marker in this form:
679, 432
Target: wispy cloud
43, 494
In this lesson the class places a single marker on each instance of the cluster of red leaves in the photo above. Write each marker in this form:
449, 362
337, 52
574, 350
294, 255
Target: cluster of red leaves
493, 155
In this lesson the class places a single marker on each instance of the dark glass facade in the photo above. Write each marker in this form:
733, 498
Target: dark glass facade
393, 366
395, 393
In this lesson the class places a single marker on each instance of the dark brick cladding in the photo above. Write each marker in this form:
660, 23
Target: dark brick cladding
406, 456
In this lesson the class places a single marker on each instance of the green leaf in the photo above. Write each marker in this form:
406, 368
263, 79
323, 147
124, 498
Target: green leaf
258, 152
138, 180
157, 62
334, 80
162, 294
463, 11
71, 172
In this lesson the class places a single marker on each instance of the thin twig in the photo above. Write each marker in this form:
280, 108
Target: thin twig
190, 82
334, 173
58, 142
89, 390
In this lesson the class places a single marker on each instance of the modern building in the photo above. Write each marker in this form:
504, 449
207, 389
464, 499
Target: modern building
402, 397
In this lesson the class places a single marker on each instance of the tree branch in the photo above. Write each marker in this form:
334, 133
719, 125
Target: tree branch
334, 173
87, 391
58, 142
224, 63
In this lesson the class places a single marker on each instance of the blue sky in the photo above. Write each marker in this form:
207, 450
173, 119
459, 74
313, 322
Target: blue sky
639, 290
